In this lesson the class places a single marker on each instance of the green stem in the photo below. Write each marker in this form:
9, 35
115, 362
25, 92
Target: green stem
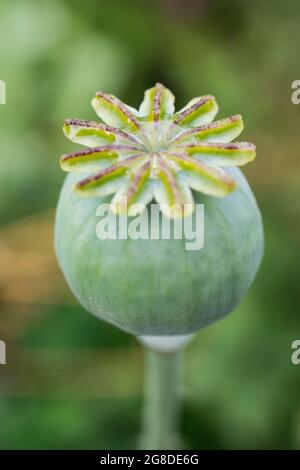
162, 400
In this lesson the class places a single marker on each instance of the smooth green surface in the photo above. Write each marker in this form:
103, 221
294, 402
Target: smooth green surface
157, 286
161, 423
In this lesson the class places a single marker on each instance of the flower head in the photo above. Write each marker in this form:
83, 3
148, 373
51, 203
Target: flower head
155, 152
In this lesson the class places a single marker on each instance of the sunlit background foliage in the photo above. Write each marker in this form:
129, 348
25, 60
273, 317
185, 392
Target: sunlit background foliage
72, 381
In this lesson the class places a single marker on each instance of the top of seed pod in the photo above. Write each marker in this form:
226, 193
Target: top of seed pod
155, 153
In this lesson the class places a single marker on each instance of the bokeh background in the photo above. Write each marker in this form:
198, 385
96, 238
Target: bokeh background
71, 381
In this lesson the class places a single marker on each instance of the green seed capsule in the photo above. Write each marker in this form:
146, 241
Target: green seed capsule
157, 287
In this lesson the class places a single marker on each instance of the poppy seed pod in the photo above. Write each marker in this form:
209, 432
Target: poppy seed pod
148, 286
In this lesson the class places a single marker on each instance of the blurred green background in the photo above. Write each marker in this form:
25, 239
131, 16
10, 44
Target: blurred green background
71, 381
